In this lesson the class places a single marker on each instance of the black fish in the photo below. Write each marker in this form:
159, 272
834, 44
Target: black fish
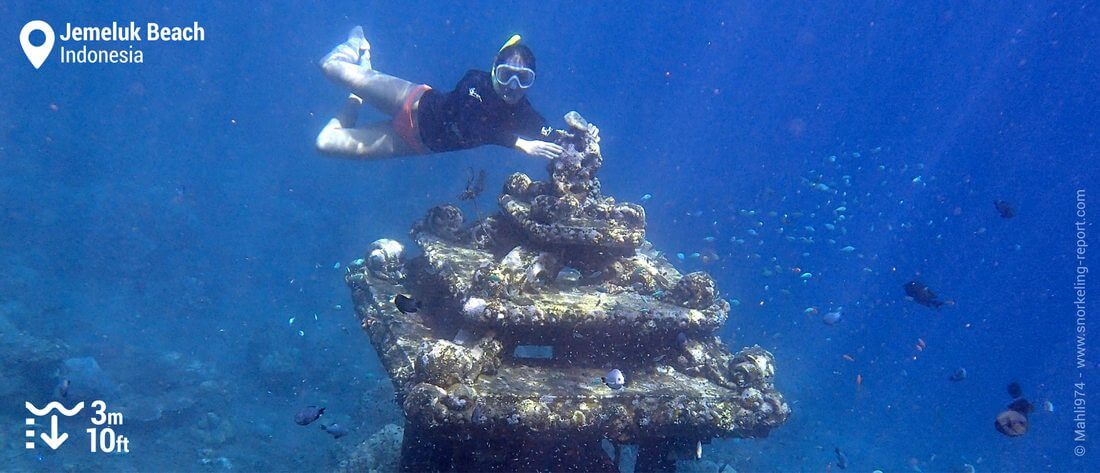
841, 459
308, 414
477, 416
335, 430
1004, 208
922, 295
406, 304
958, 375
1015, 390
1022, 406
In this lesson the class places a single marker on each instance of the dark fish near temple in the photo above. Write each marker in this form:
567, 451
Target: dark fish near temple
308, 414
335, 430
406, 304
477, 415
841, 459
681, 340
1004, 208
922, 295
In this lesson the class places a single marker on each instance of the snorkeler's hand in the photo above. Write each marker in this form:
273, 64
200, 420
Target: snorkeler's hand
539, 149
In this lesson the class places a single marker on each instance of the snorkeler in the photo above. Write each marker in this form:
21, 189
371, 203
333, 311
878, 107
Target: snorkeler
485, 108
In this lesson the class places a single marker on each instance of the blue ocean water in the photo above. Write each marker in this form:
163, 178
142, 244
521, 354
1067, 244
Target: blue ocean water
164, 222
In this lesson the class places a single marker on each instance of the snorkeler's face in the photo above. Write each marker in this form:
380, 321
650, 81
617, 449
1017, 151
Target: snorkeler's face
511, 96
511, 81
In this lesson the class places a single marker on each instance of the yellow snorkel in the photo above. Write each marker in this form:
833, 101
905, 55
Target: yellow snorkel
513, 40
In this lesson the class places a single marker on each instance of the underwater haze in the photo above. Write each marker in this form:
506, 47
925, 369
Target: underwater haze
174, 245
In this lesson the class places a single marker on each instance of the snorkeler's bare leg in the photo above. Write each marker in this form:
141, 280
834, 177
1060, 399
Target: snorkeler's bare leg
376, 140
349, 65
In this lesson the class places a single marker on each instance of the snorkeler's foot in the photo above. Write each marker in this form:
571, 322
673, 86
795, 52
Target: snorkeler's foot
359, 42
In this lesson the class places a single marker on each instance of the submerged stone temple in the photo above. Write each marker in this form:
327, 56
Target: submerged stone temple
523, 314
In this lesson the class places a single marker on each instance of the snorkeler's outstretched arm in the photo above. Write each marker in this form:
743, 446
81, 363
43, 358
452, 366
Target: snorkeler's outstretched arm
539, 149
531, 123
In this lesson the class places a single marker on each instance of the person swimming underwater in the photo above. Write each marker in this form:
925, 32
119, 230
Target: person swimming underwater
484, 108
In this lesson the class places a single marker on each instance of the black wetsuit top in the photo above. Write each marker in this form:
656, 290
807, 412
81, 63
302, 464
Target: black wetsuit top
474, 115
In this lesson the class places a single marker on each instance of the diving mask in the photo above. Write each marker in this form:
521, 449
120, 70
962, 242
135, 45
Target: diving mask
513, 77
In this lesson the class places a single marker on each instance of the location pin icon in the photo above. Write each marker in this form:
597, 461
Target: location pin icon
36, 54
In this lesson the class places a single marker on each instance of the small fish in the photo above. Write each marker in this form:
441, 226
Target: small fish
308, 414
336, 265
848, 249
859, 380
848, 357
614, 379
1004, 208
807, 275
335, 430
698, 450
477, 415
922, 295
841, 459
680, 256
1048, 406
832, 317
63, 388
647, 197
709, 239
568, 277
406, 304
958, 375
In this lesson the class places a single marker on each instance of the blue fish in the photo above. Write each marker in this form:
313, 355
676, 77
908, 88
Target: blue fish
335, 430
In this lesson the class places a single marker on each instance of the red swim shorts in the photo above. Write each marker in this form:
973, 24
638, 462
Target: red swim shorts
404, 123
